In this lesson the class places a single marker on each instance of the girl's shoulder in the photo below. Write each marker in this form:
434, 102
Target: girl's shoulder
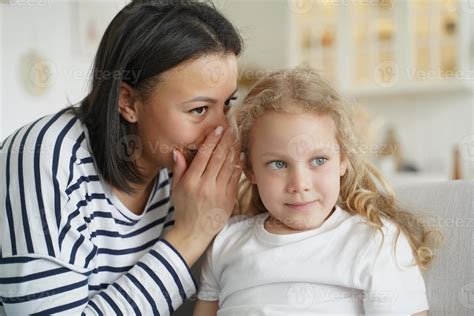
237, 222
238, 226
388, 228
387, 241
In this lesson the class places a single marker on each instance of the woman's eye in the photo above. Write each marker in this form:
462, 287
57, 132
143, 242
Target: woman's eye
319, 161
199, 111
277, 165
228, 103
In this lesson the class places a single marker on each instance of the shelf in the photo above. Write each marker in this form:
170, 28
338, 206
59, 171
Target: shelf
412, 89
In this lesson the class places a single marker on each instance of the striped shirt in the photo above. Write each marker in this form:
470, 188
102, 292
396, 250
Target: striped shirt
67, 244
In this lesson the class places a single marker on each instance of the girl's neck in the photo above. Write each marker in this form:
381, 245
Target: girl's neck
274, 226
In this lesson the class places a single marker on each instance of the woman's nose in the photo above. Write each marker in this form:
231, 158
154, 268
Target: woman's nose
217, 120
299, 181
222, 121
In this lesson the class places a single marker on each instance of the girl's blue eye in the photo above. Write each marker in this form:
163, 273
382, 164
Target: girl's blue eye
199, 111
319, 161
277, 164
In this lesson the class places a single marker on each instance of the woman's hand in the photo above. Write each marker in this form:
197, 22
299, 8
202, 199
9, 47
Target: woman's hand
204, 194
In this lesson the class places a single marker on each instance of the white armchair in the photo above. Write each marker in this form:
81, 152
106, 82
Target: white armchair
450, 205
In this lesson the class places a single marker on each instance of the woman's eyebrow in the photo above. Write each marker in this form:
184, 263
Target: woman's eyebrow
201, 99
207, 99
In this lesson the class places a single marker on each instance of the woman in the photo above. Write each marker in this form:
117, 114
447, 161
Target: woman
86, 219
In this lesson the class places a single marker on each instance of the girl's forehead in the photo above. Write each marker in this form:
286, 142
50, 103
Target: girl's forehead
285, 130
281, 124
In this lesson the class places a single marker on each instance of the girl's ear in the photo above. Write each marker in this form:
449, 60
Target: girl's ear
128, 103
343, 167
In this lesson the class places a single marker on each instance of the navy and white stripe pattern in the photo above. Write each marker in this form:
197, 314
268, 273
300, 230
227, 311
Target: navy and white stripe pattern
67, 244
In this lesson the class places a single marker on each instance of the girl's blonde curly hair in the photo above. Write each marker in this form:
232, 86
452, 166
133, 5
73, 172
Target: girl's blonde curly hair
304, 90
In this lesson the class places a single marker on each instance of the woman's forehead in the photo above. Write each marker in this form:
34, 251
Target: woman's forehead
210, 75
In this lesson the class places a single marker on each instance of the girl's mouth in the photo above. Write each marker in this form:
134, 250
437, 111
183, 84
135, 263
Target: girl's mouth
301, 206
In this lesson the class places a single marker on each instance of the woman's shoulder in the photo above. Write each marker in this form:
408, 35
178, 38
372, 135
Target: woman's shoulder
47, 134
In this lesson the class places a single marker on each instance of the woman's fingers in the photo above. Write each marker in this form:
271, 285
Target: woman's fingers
219, 156
231, 162
233, 184
199, 164
179, 167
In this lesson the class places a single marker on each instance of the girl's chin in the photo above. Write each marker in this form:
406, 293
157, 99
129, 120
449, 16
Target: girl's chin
298, 224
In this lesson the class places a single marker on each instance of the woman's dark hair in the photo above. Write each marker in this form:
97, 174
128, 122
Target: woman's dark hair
145, 39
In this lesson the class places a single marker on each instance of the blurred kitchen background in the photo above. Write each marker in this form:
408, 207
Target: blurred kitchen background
405, 67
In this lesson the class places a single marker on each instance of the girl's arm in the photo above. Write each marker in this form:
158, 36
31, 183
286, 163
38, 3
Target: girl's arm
206, 308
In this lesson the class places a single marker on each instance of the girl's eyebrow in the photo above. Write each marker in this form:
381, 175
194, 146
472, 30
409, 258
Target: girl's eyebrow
272, 154
316, 151
207, 99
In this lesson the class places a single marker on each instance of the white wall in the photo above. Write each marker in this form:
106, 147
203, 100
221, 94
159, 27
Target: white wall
48, 27
265, 28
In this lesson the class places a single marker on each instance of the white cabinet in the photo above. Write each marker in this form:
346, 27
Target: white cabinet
387, 46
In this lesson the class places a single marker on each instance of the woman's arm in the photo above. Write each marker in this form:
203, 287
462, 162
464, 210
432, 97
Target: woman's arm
205, 308
157, 284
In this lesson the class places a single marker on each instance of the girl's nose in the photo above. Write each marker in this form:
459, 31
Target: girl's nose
299, 181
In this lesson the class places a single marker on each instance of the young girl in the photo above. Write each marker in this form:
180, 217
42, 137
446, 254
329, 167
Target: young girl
323, 238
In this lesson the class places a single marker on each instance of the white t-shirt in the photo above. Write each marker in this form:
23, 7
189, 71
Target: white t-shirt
342, 267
